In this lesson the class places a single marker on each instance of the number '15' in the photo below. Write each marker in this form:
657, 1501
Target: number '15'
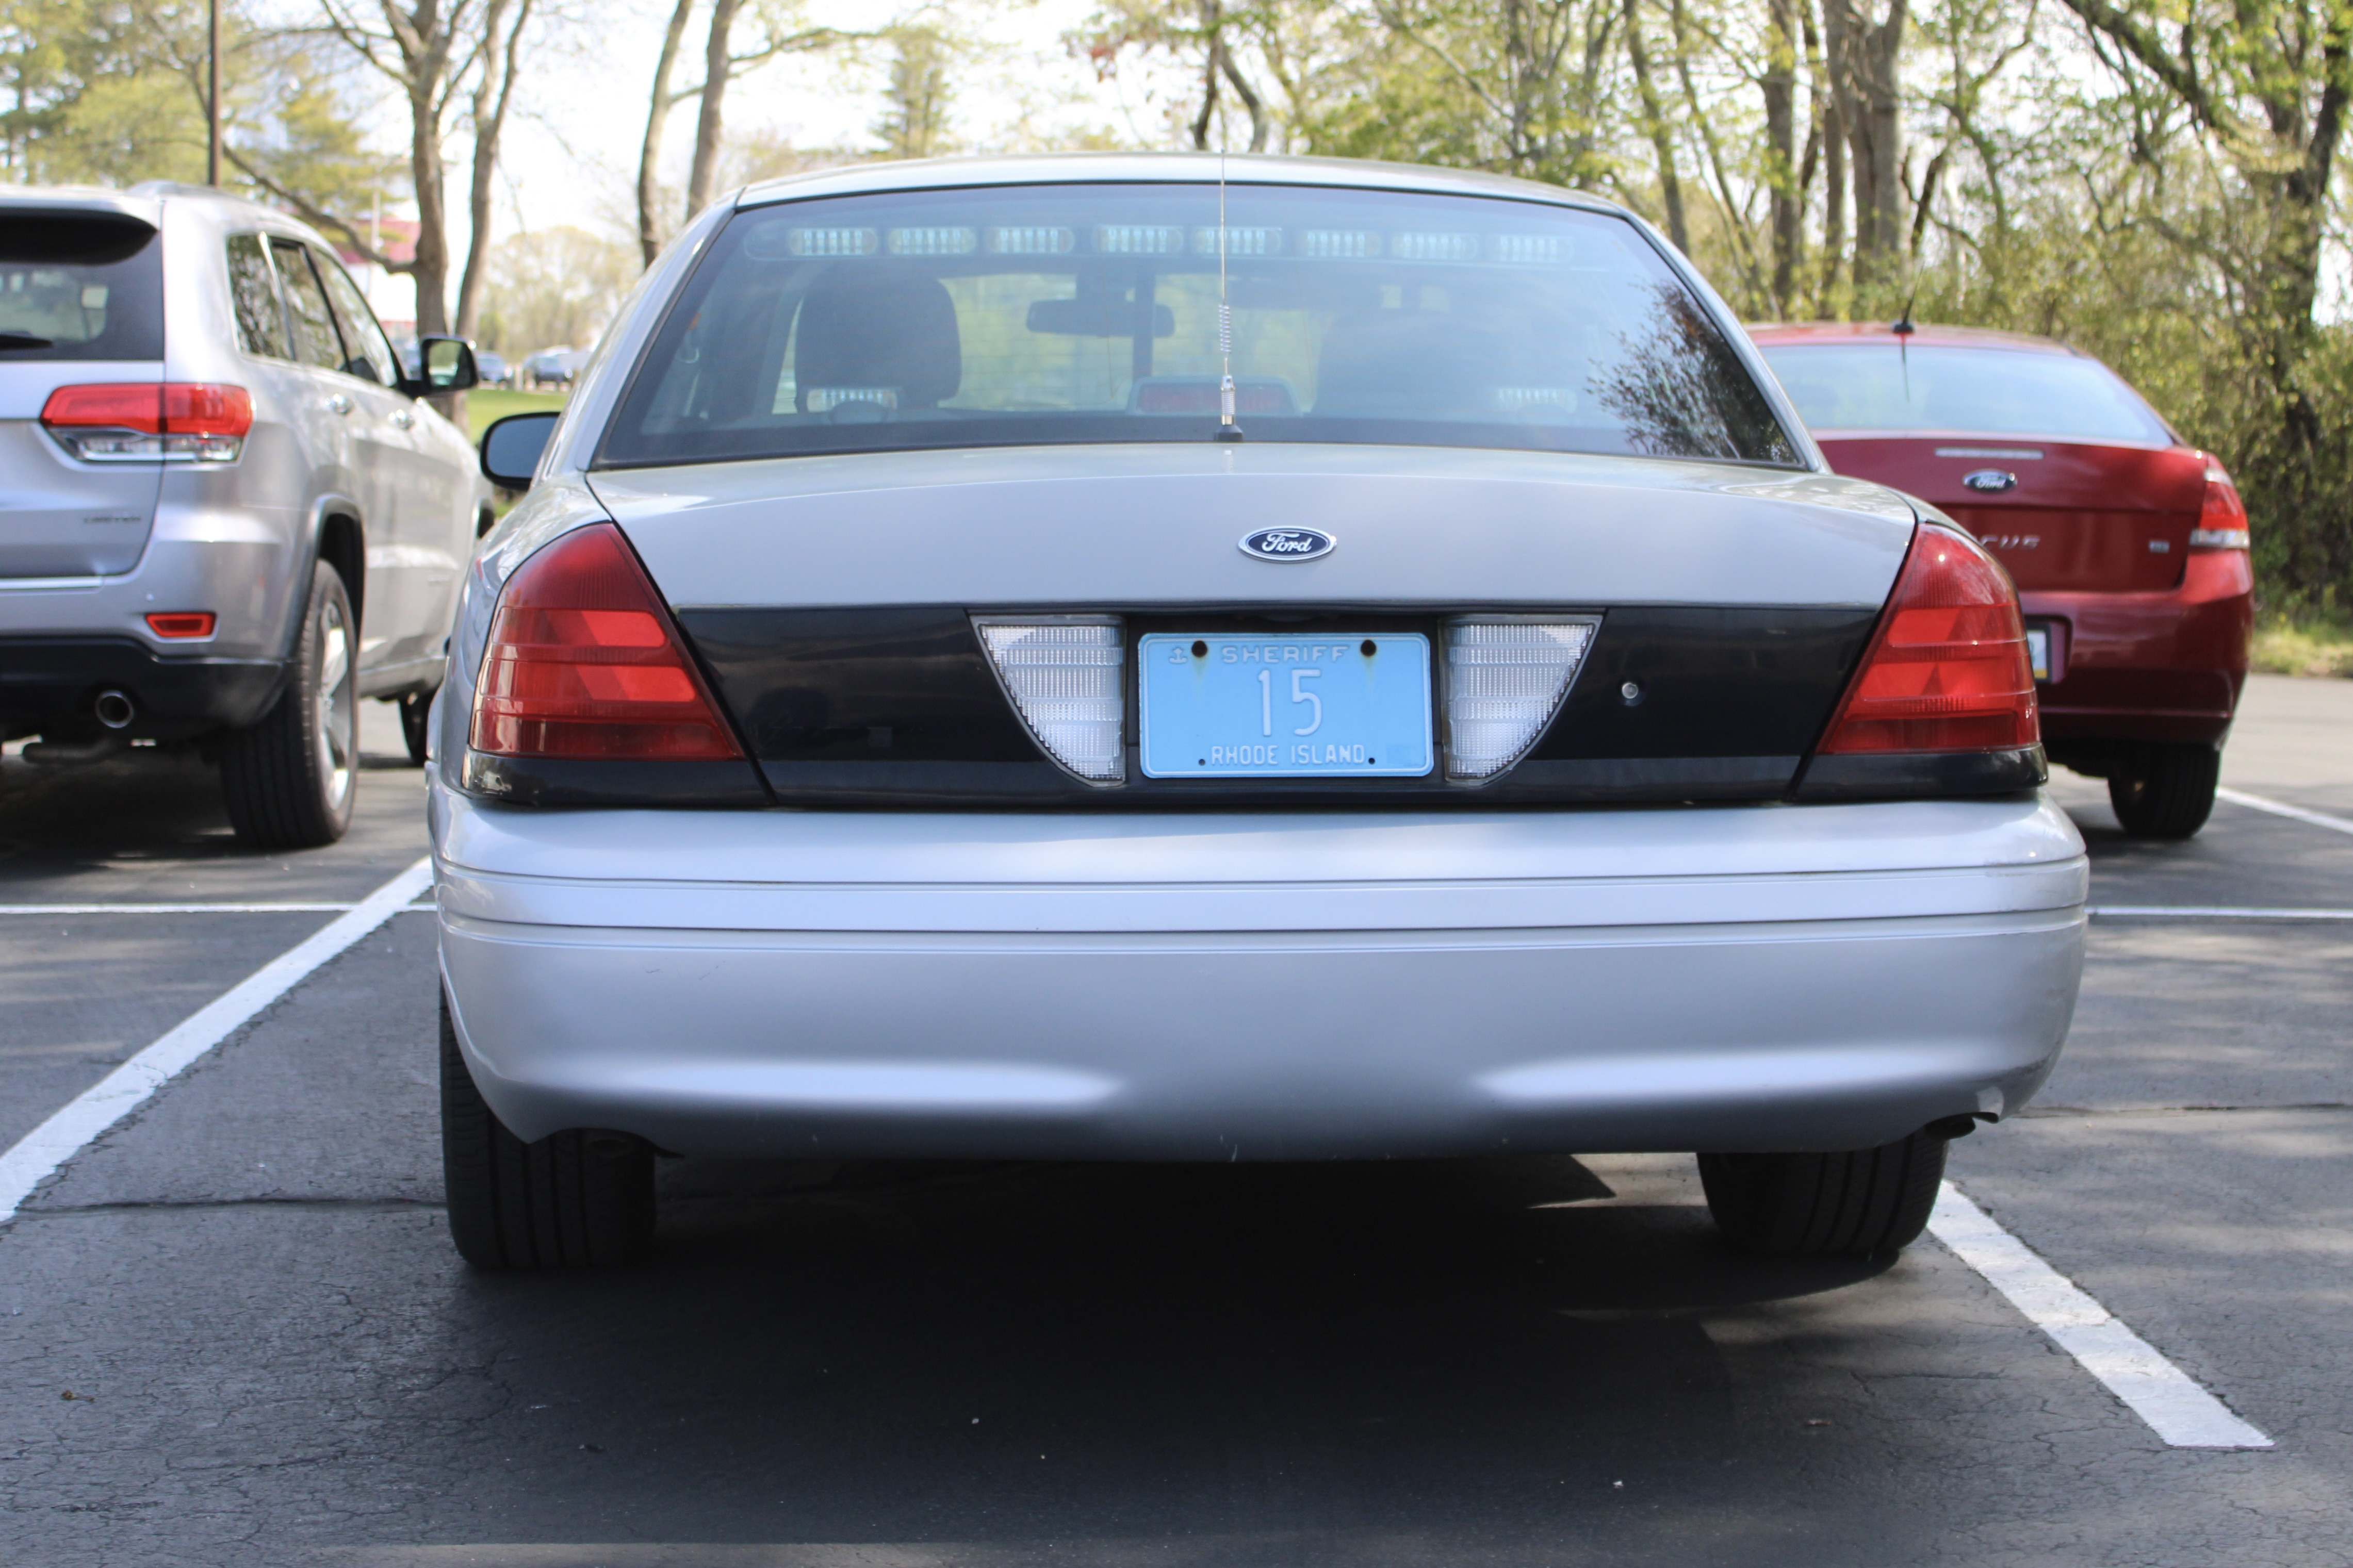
1266, 701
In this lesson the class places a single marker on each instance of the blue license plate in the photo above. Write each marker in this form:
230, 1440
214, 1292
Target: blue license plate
1227, 706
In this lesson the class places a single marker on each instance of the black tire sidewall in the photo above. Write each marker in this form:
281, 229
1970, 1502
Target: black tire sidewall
276, 780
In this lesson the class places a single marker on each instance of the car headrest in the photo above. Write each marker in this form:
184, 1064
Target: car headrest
872, 325
1401, 364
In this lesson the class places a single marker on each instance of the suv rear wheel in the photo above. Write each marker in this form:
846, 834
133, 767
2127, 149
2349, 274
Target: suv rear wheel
1817, 1206
2165, 792
290, 779
570, 1200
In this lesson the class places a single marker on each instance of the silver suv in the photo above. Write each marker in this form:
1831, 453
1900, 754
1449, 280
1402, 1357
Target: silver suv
225, 515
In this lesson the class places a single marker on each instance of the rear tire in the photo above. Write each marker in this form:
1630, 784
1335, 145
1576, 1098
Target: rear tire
2165, 792
1856, 1205
416, 707
289, 780
572, 1200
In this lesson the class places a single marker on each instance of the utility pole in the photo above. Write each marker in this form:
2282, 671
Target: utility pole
212, 92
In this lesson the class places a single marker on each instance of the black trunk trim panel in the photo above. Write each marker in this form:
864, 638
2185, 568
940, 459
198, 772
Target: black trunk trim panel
897, 706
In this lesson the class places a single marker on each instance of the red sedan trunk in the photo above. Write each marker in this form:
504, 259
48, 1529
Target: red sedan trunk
2128, 546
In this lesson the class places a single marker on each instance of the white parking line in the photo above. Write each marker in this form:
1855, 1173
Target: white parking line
173, 909
2208, 912
65, 1134
2155, 1389
2282, 808
186, 909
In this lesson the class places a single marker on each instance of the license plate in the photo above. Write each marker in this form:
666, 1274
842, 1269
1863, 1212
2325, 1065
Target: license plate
2037, 651
1227, 706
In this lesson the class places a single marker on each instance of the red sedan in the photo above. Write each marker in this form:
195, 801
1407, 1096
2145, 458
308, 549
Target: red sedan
2129, 545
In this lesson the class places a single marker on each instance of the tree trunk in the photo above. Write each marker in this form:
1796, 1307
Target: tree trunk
1260, 122
649, 226
1781, 88
1826, 301
716, 66
493, 93
1671, 183
1873, 110
1201, 121
432, 272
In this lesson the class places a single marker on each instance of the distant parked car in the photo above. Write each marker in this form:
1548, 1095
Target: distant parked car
2129, 545
549, 367
494, 368
223, 513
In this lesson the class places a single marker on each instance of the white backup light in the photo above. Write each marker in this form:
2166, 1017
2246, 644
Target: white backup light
1065, 679
1504, 681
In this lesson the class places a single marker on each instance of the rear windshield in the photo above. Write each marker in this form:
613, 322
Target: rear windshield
1961, 391
1040, 314
79, 285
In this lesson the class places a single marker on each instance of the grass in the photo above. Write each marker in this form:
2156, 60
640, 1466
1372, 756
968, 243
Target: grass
2302, 645
485, 404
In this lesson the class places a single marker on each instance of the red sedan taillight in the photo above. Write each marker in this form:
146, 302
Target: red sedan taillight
2222, 519
584, 662
1947, 669
148, 421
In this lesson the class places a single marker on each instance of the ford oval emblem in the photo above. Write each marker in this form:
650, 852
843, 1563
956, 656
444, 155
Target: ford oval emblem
1289, 543
1989, 481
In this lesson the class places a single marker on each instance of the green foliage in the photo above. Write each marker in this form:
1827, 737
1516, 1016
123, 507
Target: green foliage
88, 85
554, 287
913, 123
110, 92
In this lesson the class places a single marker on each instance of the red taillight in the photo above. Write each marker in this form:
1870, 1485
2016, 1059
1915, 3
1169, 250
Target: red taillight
1947, 669
2222, 519
583, 662
156, 408
182, 623
151, 421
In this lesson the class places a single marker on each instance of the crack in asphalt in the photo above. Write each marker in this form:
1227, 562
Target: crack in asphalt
201, 1205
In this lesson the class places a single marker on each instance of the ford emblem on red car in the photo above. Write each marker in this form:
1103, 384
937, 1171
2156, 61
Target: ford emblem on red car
1288, 543
1989, 481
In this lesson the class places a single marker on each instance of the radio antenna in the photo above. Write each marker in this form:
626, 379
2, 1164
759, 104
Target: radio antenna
1227, 429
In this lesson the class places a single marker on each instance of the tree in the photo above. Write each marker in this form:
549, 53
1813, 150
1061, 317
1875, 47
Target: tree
915, 100
2267, 82
553, 287
455, 66
784, 30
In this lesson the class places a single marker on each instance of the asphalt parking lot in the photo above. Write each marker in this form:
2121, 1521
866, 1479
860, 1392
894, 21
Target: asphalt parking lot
232, 1330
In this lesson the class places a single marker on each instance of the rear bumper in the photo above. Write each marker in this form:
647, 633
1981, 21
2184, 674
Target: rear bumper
2149, 667
771, 983
51, 684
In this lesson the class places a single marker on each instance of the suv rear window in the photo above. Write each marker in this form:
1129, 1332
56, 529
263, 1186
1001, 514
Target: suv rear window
79, 285
1049, 314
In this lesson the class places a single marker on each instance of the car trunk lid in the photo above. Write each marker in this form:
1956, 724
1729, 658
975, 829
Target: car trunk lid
2060, 515
832, 599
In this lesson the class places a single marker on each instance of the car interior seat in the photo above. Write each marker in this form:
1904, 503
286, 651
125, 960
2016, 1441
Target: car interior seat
870, 329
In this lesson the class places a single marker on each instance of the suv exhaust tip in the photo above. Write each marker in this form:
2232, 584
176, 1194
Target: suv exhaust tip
115, 709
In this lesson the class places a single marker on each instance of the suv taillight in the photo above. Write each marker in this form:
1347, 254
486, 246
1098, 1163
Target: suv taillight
2222, 519
150, 421
584, 662
1947, 668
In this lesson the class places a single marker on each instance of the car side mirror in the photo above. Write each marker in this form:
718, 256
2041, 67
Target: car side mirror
511, 447
449, 366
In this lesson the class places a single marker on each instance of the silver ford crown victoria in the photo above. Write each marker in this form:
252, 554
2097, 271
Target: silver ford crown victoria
1069, 657
225, 515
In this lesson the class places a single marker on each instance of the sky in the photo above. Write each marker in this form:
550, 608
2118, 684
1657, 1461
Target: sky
570, 155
